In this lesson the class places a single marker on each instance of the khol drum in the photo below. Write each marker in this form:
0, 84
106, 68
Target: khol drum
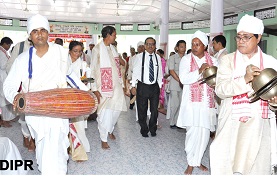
60, 103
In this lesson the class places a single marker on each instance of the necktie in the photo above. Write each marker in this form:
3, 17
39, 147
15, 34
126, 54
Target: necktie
151, 69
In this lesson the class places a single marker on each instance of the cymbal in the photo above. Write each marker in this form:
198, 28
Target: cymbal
256, 95
204, 80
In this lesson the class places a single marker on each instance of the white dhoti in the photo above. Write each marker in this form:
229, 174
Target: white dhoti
24, 127
7, 113
9, 151
106, 122
197, 139
80, 125
51, 138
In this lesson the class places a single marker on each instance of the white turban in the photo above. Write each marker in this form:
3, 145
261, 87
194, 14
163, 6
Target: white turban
250, 24
91, 43
37, 21
140, 43
201, 36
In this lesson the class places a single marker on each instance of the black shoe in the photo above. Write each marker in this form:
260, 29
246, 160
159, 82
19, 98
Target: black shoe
144, 135
153, 134
173, 126
131, 107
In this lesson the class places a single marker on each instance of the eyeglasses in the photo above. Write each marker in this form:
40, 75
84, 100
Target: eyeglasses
150, 44
244, 38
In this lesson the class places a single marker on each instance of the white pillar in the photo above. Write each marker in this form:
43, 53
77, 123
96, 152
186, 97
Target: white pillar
164, 27
217, 18
157, 38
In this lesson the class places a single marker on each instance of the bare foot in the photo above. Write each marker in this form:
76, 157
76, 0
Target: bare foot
189, 170
203, 168
212, 135
105, 145
112, 136
6, 124
80, 161
32, 145
25, 142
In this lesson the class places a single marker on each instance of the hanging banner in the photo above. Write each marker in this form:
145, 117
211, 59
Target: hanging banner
69, 29
265, 13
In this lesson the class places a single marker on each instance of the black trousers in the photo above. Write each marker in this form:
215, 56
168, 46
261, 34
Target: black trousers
147, 92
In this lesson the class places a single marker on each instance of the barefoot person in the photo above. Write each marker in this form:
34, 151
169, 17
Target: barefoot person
197, 105
6, 107
42, 67
108, 85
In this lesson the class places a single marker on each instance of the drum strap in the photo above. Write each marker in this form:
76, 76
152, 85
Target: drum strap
73, 82
30, 68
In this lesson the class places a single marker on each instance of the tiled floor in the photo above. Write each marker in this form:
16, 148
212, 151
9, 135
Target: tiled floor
130, 153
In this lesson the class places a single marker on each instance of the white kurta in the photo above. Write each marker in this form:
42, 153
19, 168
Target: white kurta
51, 134
193, 113
240, 147
5, 106
196, 117
117, 101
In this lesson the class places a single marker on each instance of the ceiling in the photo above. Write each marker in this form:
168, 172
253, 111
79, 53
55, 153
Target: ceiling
122, 11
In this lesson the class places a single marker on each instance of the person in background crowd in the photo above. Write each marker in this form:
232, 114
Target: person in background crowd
161, 108
89, 51
128, 77
59, 41
196, 120
175, 86
171, 53
219, 44
6, 107
245, 141
108, 87
84, 56
19, 48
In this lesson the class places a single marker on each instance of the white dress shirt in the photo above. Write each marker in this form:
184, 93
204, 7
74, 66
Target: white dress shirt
137, 68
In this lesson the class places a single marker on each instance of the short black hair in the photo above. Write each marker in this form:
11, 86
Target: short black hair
150, 38
221, 39
6, 40
59, 41
161, 51
107, 30
74, 43
180, 41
